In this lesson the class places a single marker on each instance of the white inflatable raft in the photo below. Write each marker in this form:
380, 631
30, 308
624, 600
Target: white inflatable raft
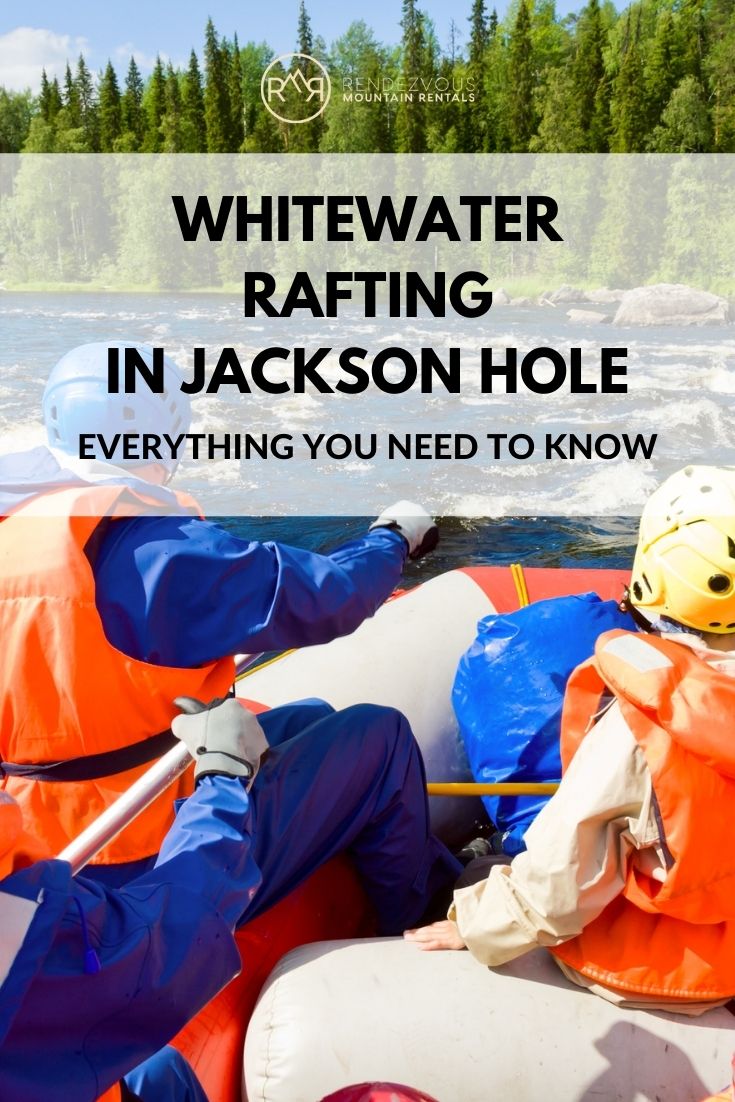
343, 1012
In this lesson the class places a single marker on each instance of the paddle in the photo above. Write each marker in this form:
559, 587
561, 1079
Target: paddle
138, 797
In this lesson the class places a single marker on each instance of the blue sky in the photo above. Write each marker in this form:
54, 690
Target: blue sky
45, 32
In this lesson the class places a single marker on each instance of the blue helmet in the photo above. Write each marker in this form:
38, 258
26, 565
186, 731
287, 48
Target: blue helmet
76, 400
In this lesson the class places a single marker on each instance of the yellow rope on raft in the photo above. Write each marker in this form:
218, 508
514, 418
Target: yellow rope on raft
262, 665
508, 788
519, 579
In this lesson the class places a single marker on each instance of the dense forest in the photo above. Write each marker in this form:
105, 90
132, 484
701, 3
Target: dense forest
656, 77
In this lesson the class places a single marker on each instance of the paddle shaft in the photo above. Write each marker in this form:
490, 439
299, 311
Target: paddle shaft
138, 797
127, 807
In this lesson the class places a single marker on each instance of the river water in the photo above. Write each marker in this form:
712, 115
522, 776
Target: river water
681, 386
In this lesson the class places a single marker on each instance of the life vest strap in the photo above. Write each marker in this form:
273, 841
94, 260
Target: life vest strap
94, 766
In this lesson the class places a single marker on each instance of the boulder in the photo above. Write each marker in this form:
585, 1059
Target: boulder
501, 297
671, 304
563, 294
603, 295
522, 301
587, 317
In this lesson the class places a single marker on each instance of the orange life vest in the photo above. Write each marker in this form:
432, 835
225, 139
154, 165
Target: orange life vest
67, 695
674, 938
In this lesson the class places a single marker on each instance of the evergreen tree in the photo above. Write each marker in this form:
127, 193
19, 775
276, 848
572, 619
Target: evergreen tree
495, 89
628, 113
131, 107
262, 132
661, 67
521, 114
154, 107
692, 37
49, 98
305, 137
411, 116
720, 77
475, 139
109, 110
478, 34
194, 134
44, 96
560, 129
216, 97
87, 100
173, 116
588, 72
237, 111
71, 98
304, 37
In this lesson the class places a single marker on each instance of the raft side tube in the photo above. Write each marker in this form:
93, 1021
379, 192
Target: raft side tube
353, 1011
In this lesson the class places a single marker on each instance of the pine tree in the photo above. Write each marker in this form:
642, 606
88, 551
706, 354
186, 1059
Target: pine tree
154, 106
44, 96
216, 97
55, 102
588, 69
307, 136
692, 37
410, 117
720, 75
71, 99
131, 107
262, 131
173, 115
628, 96
194, 127
84, 87
521, 115
661, 68
237, 132
304, 37
109, 110
476, 113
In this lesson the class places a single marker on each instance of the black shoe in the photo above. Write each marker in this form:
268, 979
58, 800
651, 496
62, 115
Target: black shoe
478, 847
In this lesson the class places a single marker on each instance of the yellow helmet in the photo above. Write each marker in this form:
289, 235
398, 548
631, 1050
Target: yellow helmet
684, 565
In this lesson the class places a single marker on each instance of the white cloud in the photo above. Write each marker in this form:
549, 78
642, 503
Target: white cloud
122, 55
25, 51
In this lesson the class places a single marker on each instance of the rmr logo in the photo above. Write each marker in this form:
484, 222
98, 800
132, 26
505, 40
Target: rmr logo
292, 85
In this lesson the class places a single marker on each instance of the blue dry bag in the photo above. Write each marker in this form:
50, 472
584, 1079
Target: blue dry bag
508, 695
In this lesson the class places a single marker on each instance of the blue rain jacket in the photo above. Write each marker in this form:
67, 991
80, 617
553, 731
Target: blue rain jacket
231, 595
508, 695
164, 944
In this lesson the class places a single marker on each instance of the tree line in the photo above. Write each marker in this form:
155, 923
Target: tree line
657, 77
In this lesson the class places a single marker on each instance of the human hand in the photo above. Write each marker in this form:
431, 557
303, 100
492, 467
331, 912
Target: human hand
222, 737
439, 935
414, 524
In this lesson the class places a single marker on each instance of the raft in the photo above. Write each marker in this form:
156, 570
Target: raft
348, 1008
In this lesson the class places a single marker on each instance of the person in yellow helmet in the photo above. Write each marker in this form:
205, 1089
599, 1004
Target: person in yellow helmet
628, 875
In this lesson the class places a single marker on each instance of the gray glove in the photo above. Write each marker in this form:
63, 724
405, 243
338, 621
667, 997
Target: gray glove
414, 524
222, 737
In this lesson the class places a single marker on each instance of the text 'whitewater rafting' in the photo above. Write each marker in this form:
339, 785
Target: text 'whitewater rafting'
149, 447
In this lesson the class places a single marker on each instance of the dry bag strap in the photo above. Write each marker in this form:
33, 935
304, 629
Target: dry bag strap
94, 766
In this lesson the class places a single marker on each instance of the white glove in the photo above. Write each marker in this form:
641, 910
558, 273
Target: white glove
414, 524
222, 737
